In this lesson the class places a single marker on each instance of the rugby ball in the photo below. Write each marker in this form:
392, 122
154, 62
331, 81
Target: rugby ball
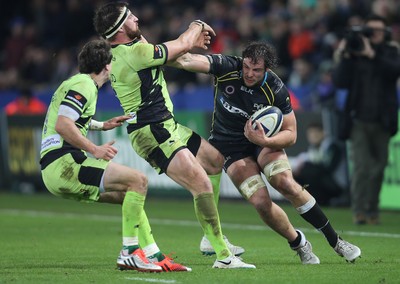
271, 119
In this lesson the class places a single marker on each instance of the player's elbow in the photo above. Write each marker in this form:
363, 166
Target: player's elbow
182, 61
62, 125
292, 140
59, 127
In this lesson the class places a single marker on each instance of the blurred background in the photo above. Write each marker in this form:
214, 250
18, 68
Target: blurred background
41, 38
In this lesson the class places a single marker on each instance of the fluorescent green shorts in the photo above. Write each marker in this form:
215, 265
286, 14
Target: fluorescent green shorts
75, 177
158, 143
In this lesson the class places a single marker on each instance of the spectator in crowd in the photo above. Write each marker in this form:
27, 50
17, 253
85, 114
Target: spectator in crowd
323, 166
368, 66
302, 82
25, 104
317, 25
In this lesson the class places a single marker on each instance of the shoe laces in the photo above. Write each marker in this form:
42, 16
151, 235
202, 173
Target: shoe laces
343, 246
168, 258
304, 252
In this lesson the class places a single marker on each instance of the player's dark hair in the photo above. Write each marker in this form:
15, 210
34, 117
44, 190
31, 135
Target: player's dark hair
106, 16
261, 51
94, 56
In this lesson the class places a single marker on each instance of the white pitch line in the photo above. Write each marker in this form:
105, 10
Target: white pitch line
151, 280
183, 223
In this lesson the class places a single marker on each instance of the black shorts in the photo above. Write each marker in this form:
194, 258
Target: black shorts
233, 152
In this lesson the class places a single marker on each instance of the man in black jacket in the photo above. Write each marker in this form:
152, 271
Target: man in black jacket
368, 66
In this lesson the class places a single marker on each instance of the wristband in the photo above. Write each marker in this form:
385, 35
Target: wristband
96, 125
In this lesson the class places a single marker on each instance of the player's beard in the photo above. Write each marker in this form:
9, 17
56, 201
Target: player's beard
133, 34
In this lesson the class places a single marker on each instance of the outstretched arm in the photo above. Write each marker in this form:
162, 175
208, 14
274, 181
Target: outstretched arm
109, 124
197, 35
191, 62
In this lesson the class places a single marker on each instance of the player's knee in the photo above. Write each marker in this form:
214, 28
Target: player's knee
218, 163
214, 163
287, 186
138, 183
263, 206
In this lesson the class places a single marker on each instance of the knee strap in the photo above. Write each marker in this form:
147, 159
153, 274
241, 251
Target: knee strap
276, 167
251, 185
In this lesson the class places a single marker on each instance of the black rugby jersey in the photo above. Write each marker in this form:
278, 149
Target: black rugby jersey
234, 103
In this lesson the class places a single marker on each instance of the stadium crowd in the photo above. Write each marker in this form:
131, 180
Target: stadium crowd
41, 37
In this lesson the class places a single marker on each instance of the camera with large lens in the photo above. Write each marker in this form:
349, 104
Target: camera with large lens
354, 41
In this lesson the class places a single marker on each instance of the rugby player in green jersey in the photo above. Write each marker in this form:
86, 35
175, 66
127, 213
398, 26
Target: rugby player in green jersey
69, 172
170, 147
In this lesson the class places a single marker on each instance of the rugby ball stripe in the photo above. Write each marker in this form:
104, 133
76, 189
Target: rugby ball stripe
271, 119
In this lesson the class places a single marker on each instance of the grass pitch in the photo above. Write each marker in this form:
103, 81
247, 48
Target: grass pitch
44, 239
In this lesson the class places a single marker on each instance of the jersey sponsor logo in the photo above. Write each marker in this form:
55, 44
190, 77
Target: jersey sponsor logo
232, 109
247, 90
257, 106
133, 118
76, 98
158, 52
53, 141
229, 89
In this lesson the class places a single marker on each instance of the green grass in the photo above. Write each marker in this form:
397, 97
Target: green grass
44, 239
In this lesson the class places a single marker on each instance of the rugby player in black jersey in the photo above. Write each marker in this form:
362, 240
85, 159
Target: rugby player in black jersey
242, 85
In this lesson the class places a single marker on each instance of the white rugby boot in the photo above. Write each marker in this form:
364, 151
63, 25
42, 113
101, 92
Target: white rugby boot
304, 251
347, 250
306, 254
232, 262
136, 261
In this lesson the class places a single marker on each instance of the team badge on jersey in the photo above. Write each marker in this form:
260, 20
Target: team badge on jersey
158, 52
76, 98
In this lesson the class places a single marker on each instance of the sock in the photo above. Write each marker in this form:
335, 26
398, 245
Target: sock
159, 256
132, 208
207, 214
295, 244
130, 249
215, 181
146, 239
312, 213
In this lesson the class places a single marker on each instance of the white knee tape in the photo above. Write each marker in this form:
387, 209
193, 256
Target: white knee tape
276, 167
251, 185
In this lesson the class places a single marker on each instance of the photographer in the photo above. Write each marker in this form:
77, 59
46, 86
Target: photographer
367, 66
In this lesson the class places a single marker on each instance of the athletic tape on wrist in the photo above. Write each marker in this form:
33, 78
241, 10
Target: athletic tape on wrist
96, 125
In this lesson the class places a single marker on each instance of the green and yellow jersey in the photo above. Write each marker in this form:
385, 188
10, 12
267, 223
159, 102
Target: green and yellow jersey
138, 81
75, 98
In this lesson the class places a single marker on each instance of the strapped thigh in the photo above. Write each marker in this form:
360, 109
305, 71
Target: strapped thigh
251, 185
276, 167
